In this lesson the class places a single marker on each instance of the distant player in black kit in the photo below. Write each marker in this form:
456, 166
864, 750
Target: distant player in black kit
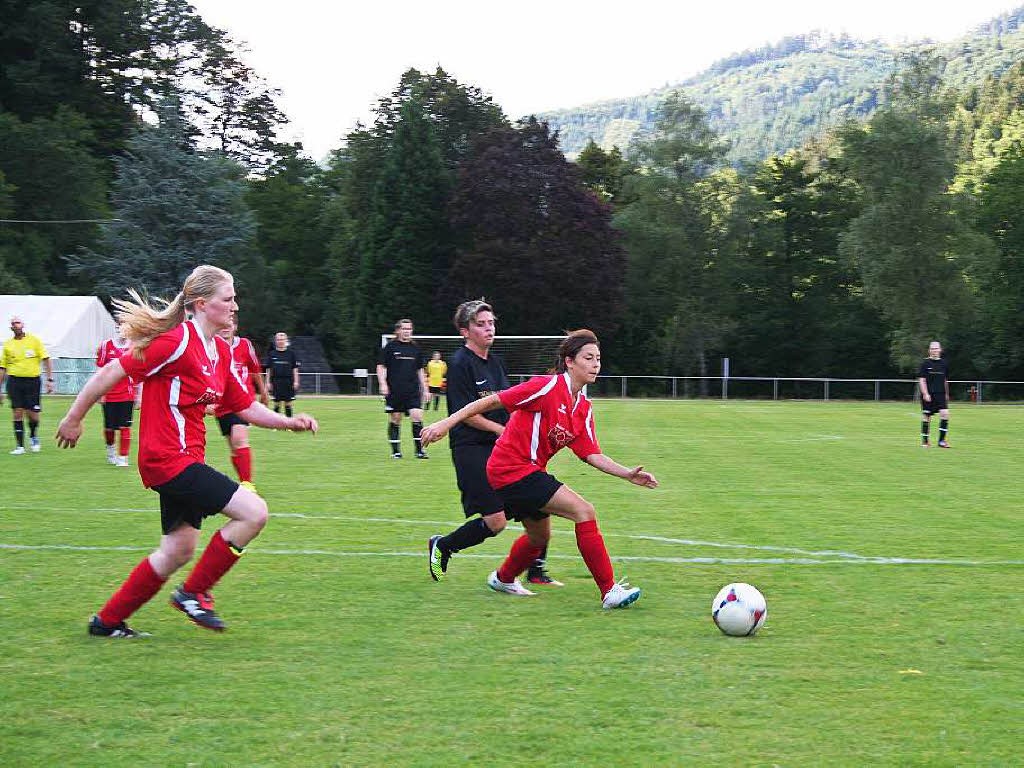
403, 382
474, 373
933, 381
282, 373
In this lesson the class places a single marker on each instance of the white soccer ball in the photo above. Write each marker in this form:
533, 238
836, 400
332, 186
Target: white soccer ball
739, 609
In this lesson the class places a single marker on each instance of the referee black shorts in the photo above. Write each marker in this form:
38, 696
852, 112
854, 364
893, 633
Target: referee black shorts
228, 420
283, 390
24, 392
936, 404
402, 402
118, 415
524, 499
198, 491
478, 498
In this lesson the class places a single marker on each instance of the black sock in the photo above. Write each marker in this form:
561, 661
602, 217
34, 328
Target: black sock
393, 440
943, 429
19, 432
469, 534
417, 427
924, 431
277, 407
34, 425
538, 564
288, 410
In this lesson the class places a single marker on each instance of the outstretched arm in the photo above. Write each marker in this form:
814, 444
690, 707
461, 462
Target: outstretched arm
636, 475
70, 428
437, 430
261, 416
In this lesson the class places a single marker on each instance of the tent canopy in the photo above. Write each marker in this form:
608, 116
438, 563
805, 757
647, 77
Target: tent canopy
70, 326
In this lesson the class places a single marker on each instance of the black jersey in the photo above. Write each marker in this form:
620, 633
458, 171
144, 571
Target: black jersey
471, 378
403, 360
281, 363
935, 373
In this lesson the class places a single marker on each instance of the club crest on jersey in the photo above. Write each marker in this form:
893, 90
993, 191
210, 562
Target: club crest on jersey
559, 436
209, 396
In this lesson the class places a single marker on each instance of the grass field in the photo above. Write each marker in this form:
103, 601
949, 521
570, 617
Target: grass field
893, 575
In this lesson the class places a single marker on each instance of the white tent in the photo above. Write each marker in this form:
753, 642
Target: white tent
69, 326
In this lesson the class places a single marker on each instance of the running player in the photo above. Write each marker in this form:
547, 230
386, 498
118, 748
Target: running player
476, 372
185, 366
283, 372
548, 414
118, 403
19, 362
933, 382
232, 426
403, 382
436, 370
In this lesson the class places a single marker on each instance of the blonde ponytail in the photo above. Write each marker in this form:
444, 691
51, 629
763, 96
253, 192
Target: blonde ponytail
143, 322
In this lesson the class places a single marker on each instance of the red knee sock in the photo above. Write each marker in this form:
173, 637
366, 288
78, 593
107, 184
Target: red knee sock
137, 589
108, 435
242, 459
217, 559
520, 557
591, 545
126, 441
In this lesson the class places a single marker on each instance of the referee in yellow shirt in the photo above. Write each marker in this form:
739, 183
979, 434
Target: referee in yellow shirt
19, 363
436, 369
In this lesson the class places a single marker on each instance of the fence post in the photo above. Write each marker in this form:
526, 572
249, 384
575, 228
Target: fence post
979, 391
775, 389
878, 390
826, 390
673, 387
623, 386
318, 383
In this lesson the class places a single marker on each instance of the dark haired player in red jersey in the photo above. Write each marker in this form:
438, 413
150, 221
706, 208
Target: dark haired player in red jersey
550, 413
184, 367
232, 426
118, 403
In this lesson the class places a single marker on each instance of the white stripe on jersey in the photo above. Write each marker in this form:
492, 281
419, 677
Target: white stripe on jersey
590, 425
535, 437
176, 354
543, 391
173, 403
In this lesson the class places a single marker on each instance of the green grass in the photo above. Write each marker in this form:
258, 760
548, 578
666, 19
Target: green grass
342, 651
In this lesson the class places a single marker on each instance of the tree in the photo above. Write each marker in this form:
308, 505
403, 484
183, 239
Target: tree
532, 238
176, 208
603, 172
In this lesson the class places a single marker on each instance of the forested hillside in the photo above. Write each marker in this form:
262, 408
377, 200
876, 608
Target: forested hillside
778, 97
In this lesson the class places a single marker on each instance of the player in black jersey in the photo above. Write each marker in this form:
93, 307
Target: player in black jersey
282, 367
933, 381
402, 378
473, 373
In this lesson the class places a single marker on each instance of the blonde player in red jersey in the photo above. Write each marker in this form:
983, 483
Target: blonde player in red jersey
232, 426
549, 413
184, 366
118, 403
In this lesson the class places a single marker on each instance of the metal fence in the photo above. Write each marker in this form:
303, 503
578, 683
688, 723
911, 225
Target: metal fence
681, 387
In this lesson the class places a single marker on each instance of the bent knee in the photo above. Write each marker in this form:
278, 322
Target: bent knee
496, 523
585, 511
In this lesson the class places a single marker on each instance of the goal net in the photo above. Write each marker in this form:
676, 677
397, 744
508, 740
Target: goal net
523, 355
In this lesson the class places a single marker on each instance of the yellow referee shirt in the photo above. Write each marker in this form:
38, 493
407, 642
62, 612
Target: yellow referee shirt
22, 357
436, 369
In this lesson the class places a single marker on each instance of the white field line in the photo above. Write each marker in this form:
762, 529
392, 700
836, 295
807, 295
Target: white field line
808, 557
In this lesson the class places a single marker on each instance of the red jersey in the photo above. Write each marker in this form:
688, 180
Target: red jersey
124, 390
247, 365
181, 378
545, 418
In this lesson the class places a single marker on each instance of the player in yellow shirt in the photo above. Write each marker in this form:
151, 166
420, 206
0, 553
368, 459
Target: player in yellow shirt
436, 369
20, 363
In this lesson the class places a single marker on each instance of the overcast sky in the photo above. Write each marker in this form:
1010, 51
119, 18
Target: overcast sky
333, 60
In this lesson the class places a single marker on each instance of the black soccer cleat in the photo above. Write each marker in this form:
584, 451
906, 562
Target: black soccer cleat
540, 576
396, 455
98, 629
198, 607
421, 455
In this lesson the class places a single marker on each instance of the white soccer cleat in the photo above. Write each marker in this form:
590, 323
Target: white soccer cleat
121, 461
36, 447
111, 455
620, 595
512, 588
18, 451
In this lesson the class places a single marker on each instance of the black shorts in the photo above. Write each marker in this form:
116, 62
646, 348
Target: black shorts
118, 415
197, 492
435, 390
478, 498
402, 402
938, 403
228, 420
283, 390
524, 498
24, 392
